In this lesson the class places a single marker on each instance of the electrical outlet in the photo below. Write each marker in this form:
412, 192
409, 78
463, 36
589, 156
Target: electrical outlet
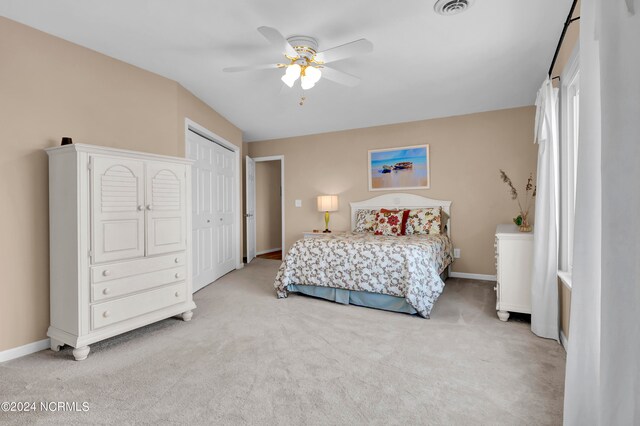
456, 253
298, 203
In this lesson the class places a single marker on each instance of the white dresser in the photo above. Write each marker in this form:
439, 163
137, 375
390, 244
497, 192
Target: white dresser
120, 255
514, 255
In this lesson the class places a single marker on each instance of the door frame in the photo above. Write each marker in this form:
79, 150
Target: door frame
190, 125
282, 203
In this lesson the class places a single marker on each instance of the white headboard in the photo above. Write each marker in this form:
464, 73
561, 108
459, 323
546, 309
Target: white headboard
399, 201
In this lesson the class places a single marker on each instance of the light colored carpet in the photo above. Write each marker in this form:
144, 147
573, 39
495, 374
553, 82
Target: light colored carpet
247, 357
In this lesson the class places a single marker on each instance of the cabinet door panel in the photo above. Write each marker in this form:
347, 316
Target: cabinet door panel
116, 199
166, 215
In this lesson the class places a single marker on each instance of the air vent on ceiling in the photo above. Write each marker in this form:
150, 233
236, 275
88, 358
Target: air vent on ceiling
452, 7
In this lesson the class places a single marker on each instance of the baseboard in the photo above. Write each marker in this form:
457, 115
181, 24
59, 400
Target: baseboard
258, 253
23, 350
564, 341
482, 277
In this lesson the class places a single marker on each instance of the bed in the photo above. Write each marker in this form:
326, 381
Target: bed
395, 273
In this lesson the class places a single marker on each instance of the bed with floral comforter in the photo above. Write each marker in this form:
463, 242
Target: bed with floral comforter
406, 267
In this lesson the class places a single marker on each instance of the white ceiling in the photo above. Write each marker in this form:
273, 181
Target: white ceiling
423, 65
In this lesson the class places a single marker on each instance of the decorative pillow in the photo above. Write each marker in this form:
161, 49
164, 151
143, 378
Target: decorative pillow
365, 221
391, 222
424, 221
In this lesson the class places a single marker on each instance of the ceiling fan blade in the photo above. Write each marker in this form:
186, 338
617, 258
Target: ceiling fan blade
358, 47
278, 41
252, 67
340, 77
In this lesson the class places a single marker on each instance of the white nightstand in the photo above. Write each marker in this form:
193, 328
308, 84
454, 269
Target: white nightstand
311, 234
514, 255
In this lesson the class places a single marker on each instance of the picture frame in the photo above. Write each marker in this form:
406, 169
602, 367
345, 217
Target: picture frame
404, 167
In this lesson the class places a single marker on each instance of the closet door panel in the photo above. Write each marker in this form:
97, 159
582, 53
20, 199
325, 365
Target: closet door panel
166, 213
117, 200
225, 178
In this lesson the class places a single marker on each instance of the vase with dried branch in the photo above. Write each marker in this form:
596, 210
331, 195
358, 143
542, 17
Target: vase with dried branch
524, 205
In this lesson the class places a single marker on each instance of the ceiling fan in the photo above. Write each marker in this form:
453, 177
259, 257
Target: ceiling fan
305, 62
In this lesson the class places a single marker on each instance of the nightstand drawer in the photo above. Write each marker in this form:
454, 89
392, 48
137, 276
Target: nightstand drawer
311, 234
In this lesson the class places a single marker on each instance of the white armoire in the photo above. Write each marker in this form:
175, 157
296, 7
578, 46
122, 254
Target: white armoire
119, 224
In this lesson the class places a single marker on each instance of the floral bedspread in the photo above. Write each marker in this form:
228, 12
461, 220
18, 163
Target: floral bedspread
406, 266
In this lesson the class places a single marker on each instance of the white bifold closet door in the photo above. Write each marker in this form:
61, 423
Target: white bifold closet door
214, 209
250, 207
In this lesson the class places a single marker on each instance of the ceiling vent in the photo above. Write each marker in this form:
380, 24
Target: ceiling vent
452, 7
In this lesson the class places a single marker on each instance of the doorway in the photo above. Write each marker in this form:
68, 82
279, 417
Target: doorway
215, 205
265, 208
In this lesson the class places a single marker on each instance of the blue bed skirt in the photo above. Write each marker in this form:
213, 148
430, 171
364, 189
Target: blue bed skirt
359, 298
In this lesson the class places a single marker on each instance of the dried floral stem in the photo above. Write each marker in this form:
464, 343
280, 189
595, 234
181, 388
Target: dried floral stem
530, 192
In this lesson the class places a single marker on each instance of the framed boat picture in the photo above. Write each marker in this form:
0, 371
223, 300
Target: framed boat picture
405, 167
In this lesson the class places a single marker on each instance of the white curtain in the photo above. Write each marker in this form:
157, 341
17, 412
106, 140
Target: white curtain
620, 290
603, 361
583, 354
544, 279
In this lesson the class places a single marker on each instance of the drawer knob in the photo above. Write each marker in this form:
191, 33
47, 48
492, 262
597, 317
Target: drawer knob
177, 274
495, 288
177, 294
106, 272
177, 260
106, 291
106, 314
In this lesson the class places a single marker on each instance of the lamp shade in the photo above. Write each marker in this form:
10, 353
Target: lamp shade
313, 73
291, 74
306, 83
327, 203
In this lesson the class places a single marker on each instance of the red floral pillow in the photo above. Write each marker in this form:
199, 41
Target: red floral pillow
391, 222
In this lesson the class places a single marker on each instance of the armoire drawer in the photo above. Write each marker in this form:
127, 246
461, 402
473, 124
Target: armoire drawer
107, 313
135, 267
134, 283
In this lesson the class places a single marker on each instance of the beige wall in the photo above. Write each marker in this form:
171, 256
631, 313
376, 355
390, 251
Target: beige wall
51, 88
268, 206
466, 154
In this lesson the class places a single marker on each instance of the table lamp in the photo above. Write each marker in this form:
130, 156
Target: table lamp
326, 204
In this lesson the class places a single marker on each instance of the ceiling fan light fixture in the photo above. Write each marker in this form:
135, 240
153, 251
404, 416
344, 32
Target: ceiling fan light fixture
291, 74
288, 81
304, 61
294, 70
306, 82
313, 73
